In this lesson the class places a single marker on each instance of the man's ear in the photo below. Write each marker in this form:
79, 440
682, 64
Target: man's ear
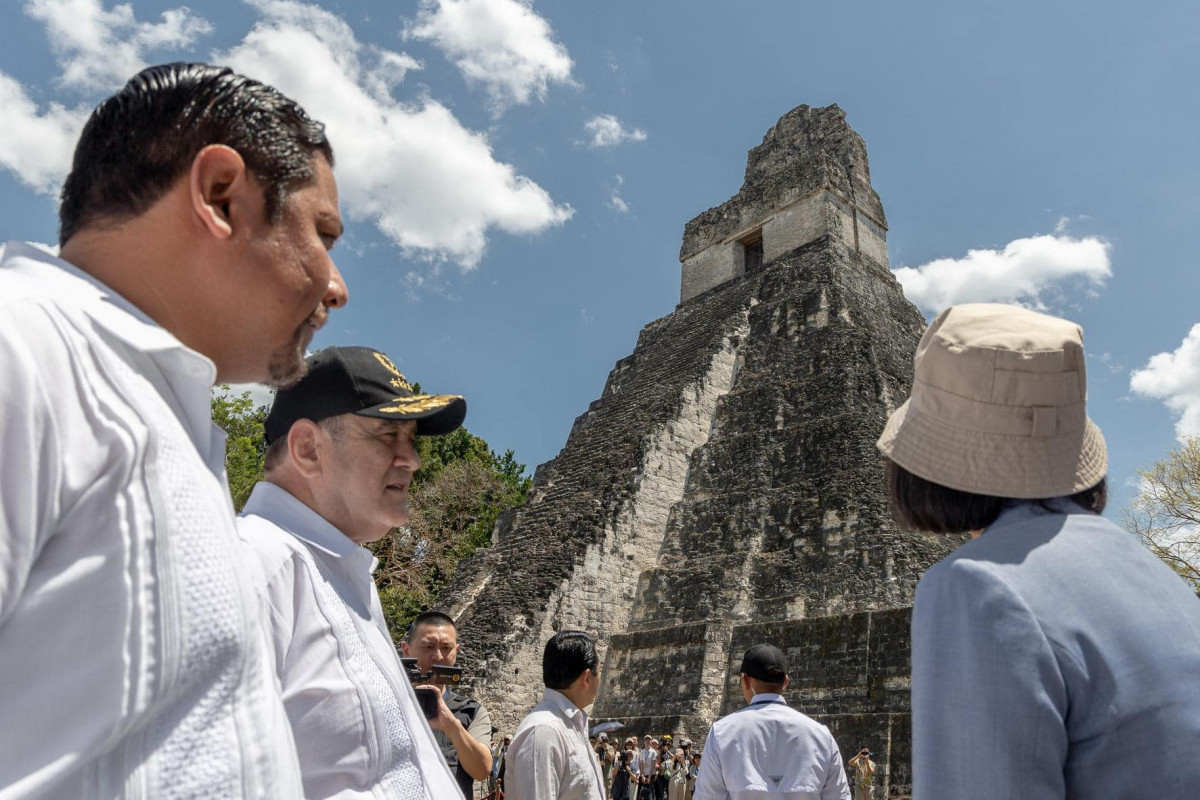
404, 649
304, 447
217, 179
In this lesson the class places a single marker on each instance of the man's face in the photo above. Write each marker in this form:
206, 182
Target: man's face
285, 283
432, 644
366, 469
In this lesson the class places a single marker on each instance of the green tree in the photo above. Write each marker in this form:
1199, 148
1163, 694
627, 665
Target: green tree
1166, 513
454, 509
246, 444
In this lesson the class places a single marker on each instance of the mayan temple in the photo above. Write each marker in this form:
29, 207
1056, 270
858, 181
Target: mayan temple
725, 488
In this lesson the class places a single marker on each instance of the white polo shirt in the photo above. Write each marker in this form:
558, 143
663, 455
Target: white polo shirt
358, 728
131, 654
768, 751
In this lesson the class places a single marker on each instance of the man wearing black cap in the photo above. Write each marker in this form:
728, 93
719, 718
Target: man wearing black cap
341, 456
768, 749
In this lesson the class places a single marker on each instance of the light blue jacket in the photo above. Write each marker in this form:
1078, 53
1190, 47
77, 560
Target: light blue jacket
1053, 657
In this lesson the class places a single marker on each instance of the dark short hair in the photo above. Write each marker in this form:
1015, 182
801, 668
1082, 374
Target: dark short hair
434, 618
921, 505
567, 655
139, 142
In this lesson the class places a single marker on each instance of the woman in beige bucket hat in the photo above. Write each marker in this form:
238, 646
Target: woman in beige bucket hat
1052, 656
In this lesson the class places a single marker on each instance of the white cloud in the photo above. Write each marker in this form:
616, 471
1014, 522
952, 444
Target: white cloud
37, 145
615, 201
502, 45
428, 183
1064, 223
1023, 272
607, 131
1110, 363
101, 49
1174, 378
260, 394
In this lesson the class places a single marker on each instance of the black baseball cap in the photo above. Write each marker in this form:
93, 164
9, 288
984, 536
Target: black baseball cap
765, 662
362, 381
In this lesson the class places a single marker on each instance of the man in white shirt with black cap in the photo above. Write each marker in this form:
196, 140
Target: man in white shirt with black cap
769, 749
341, 456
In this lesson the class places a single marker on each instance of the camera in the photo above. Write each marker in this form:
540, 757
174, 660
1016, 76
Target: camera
427, 696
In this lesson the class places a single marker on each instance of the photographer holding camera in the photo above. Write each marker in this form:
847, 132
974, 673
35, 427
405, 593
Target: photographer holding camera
339, 462
461, 726
864, 774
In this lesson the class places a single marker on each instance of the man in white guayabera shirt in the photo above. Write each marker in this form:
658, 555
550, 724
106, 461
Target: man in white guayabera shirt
195, 227
550, 758
340, 458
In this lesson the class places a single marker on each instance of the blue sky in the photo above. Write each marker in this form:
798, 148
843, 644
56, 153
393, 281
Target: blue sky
517, 176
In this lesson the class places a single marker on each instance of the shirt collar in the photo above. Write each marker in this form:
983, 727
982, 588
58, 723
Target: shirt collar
767, 697
99, 301
562, 704
188, 375
1017, 511
283, 509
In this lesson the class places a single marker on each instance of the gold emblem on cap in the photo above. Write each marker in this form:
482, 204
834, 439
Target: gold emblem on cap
422, 402
400, 382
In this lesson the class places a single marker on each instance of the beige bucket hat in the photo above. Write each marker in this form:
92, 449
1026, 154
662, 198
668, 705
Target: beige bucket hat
998, 406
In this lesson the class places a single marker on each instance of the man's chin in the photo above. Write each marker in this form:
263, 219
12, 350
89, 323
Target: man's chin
287, 366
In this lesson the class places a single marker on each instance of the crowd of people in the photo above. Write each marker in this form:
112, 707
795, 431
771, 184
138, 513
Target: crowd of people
658, 771
152, 644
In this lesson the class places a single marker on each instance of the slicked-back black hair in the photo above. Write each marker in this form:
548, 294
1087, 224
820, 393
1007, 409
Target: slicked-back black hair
921, 505
567, 655
138, 142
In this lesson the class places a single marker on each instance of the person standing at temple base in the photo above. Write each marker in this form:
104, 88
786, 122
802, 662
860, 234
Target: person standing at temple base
768, 748
864, 774
549, 758
462, 727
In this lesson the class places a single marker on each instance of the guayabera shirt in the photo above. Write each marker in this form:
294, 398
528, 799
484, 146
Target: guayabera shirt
131, 655
550, 757
358, 728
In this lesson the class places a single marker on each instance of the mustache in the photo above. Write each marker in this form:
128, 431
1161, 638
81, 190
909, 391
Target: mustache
318, 317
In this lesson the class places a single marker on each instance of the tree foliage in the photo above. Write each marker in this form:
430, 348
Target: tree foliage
1166, 513
455, 498
246, 444
454, 509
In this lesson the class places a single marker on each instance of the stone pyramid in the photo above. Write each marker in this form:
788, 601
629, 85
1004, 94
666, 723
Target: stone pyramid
725, 488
